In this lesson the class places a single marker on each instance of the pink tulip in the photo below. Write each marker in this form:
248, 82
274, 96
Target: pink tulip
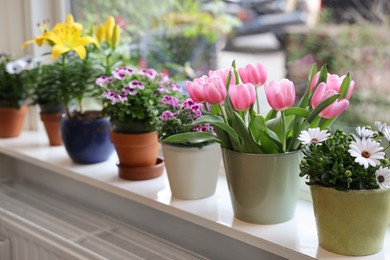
195, 89
336, 108
334, 82
224, 73
280, 95
255, 74
242, 96
214, 90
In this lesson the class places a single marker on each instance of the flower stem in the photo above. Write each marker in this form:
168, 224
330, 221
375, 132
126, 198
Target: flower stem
283, 131
257, 102
223, 114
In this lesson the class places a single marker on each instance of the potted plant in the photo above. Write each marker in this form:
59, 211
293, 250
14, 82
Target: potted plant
131, 98
188, 174
349, 180
69, 81
261, 153
16, 78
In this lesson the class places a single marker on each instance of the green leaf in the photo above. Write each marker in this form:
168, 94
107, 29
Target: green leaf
345, 86
297, 111
249, 145
269, 141
192, 138
271, 114
321, 106
217, 121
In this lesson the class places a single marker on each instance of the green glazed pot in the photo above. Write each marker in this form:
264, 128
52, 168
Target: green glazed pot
351, 222
263, 187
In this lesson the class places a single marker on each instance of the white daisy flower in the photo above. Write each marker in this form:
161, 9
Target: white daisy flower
366, 151
383, 177
313, 136
364, 132
379, 126
386, 132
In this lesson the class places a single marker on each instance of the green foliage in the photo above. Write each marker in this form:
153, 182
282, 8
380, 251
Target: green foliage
66, 81
330, 164
15, 85
139, 112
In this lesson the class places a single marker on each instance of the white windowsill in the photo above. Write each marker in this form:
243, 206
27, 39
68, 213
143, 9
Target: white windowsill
295, 239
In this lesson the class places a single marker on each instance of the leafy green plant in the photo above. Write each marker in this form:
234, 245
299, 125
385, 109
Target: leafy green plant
16, 79
131, 98
346, 161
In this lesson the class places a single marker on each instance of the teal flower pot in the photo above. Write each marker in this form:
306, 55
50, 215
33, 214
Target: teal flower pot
263, 188
351, 222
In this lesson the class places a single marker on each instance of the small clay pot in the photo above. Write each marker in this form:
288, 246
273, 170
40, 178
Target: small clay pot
11, 121
52, 126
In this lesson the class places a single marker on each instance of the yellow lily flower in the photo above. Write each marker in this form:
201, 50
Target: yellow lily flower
116, 37
100, 35
67, 37
109, 27
39, 39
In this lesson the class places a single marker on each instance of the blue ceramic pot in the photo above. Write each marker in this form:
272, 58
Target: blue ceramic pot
87, 141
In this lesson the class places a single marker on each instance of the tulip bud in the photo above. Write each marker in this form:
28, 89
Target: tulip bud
100, 34
280, 95
242, 96
255, 74
116, 37
109, 27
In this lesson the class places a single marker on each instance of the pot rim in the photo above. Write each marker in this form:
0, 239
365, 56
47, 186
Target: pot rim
261, 154
206, 146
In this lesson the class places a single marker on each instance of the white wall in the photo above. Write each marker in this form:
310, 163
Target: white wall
18, 23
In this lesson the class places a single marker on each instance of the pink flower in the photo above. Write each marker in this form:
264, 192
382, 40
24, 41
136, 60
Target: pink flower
121, 72
167, 115
255, 74
102, 81
242, 96
171, 101
214, 90
136, 84
336, 108
224, 74
280, 95
334, 82
150, 73
195, 89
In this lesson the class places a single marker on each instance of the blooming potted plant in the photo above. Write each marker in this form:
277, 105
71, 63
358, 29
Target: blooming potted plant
188, 174
349, 180
70, 81
131, 98
16, 79
261, 153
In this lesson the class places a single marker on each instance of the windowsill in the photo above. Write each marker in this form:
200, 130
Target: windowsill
295, 239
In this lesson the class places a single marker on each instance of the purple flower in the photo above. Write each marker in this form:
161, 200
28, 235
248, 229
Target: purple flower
163, 89
167, 115
121, 72
102, 81
136, 84
150, 73
121, 98
172, 101
127, 90
176, 87
188, 103
109, 94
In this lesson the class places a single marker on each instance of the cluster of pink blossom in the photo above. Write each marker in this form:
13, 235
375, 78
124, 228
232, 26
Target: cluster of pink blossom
280, 95
123, 73
171, 101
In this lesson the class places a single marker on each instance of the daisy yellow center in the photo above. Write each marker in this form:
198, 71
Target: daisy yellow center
314, 141
366, 154
380, 179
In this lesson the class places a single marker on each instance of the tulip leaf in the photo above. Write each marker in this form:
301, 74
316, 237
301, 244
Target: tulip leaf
249, 145
345, 86
271, 114
268, 140
321, 106
217, 121
297, 111
192, 138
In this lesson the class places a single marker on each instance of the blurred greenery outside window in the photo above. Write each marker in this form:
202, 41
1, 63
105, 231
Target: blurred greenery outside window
360, 47
179, 36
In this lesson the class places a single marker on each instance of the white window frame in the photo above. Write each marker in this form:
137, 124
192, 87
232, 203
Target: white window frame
18, 23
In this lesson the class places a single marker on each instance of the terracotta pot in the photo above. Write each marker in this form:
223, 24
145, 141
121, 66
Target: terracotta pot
11, 121
52, 127
137, 153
